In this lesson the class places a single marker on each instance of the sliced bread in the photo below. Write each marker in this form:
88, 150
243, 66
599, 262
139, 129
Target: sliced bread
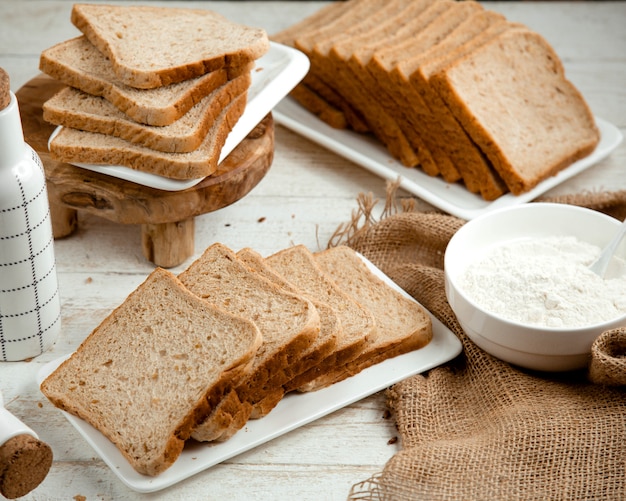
297, 265
402, 325
78, 110
289, 323
78, 63
526, 116
77, 146
153, 369
155, 46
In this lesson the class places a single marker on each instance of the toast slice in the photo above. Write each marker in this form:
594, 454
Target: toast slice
155, 46
526, 116
77, 63
298, 266
78, 110
153, 369
289, 323
402, 325
362, 18
77, 146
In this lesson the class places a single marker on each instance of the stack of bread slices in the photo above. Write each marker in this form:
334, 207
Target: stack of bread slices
155, 89
200, 354
446, 86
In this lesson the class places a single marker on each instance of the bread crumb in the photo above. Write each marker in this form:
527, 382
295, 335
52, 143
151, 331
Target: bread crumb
88, 280
80, 497
261, 219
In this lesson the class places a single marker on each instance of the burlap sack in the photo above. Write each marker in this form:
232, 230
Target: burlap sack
478, 428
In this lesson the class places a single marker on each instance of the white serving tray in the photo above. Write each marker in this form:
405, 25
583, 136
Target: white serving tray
273, 77
295, 410
452, 198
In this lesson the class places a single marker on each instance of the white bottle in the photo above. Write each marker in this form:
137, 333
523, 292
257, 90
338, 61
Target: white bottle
30, 316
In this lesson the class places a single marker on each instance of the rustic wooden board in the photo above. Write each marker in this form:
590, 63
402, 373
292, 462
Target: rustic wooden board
166, 217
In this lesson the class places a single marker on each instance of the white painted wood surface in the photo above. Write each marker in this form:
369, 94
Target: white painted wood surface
305, 196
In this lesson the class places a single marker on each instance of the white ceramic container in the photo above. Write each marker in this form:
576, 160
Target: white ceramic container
532, 347
30, 318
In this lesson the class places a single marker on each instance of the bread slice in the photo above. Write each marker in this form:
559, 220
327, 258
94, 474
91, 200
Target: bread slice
349, 57
153, 369
402, 325
522, 111
155, 46
77, 63
78, 110
233, 413
77, 146
298, 266
362, 18
289, 323
316, 104
476, 170
331, 332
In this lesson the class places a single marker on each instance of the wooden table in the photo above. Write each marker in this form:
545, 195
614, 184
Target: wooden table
307, 193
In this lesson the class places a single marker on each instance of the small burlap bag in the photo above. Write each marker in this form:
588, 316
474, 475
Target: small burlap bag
477, 428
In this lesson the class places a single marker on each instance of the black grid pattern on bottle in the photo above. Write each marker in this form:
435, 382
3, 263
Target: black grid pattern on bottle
24, 206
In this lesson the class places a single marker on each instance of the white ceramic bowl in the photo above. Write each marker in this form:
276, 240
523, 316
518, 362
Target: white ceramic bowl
532, 347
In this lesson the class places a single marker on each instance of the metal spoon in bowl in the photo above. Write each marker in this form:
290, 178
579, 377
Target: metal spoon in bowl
601, 264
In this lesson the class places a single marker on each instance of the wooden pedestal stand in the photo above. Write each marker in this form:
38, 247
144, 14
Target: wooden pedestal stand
166, 218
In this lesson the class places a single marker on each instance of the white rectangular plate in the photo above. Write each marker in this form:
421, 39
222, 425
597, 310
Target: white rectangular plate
295, 410
273, 77
450, 197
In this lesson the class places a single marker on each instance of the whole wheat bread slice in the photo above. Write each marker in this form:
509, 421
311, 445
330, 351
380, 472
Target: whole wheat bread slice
330, 338
78, 63
153, 369
233, 413
77, 146
362, 18
155, 46
402, 325
289, 323
298, 266
78, 110
526, 116
349, 57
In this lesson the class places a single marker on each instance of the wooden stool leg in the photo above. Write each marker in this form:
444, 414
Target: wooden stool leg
168, 244
64, 220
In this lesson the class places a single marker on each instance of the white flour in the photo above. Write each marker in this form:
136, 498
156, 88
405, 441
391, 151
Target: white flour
546, 282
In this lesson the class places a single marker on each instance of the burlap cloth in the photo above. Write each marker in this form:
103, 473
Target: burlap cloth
476, 427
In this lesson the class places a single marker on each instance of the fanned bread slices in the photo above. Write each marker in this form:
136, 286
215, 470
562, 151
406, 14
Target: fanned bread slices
289, 323
199, 355
153, 369
155, 46
78, 110
418, 75
297, 265
77, 146
331, 338
79, 64
402, 325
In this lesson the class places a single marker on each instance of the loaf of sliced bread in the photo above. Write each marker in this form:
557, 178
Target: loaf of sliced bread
155, 46
153, 369
402, 325
78, 110
78, 63
77, 146
289, 323
526, 116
